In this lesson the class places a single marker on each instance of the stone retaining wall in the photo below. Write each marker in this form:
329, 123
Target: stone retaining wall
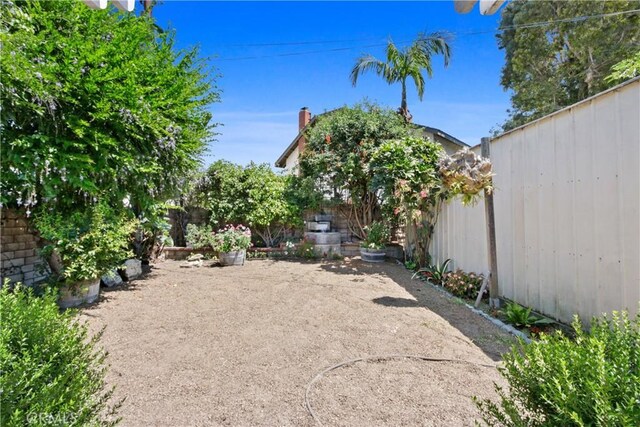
19, 250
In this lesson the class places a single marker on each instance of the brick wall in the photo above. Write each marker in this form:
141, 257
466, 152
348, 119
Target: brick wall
19, 250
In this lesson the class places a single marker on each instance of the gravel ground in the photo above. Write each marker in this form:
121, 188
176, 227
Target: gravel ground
237, 346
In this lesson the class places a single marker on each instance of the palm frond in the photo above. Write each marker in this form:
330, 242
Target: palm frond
418, 80
368, 63
393, 53
436, 43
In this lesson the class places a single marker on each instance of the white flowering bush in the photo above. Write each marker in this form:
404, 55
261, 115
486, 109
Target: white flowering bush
289, 248
465, 174
97, 105
377, 236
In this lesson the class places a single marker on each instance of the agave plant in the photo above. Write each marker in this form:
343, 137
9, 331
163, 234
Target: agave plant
522, 317
434, 272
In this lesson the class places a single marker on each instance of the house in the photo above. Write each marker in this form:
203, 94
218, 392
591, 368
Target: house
289, 158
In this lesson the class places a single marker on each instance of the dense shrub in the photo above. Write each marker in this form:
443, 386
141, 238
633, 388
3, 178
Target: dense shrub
338, 156
84, 245
97, 104
51, 372
253, 195
592, 380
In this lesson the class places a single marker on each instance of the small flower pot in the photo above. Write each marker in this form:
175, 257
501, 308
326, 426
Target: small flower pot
232, 258
372, 255
80, 293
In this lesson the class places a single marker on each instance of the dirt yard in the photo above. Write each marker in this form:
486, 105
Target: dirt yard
238, 346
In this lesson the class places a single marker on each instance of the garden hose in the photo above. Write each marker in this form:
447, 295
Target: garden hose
379, 358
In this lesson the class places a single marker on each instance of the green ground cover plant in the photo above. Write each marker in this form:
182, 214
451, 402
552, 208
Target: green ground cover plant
592, 379
84, 245
523, 317
51, 371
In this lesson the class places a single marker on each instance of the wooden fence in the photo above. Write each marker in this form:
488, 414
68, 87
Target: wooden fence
567, 210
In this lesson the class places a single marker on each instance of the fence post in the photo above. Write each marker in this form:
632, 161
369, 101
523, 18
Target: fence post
494, 300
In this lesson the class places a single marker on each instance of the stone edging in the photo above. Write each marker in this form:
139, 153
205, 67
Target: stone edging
499, 323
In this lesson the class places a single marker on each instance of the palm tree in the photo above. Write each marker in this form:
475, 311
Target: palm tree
404, 63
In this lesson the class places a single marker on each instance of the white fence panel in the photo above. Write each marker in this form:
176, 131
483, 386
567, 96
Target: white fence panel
567, 210
460, 235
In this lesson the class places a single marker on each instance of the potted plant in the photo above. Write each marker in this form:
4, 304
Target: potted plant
82, 246
230, 242
372, 248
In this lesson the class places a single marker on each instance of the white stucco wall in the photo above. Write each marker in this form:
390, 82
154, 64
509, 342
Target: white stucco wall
292, 161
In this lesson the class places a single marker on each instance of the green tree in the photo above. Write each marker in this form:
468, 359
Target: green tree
337, 157
269, 211
408, 63
253, 195
557, 64
625, 69
97, 104
220, 190
407, 173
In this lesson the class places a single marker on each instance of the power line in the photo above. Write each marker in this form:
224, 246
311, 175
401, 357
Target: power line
574, 19
469, 33
337, 49
299, 43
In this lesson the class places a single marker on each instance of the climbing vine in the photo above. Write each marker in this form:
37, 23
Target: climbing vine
96, 105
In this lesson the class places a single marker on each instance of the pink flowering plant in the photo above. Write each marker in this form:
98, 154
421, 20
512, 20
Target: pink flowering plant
462, 284
229, 238
406, 172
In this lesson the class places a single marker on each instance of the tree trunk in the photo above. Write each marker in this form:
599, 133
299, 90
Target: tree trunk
147, 5
404, 110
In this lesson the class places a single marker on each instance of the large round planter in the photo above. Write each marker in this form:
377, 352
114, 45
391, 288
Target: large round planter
80, 293
232, 258
372, 255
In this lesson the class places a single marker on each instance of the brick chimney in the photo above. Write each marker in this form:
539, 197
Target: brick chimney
304, 117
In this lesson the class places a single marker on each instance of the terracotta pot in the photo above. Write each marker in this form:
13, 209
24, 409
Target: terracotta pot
79, 293
232, 258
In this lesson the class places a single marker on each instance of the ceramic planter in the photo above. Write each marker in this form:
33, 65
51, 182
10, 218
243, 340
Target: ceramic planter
232, 258
80, 293
372, 255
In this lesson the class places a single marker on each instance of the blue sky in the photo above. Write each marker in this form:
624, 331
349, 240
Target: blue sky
261, 97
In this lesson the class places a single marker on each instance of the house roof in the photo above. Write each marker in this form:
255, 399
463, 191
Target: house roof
443, 134
282, 160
